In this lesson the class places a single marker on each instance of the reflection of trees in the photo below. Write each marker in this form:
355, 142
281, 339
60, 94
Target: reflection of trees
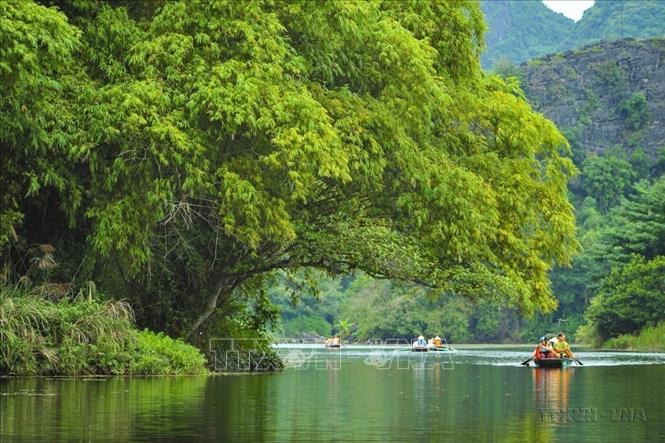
103, 409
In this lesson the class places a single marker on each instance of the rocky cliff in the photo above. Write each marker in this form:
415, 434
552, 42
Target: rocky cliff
603, 95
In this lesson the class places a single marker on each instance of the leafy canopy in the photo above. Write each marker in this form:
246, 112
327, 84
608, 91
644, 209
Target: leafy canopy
197, 145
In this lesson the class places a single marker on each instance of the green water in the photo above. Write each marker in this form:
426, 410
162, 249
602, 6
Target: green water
483, 396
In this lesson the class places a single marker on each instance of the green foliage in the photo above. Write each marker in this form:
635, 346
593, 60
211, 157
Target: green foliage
504, 68
37, 43
637, 226
616, 19
519, 30
183, 152
607, 178
75, 336
631, 298
649, 339
523, 30
634, 111
307, 326
376, 309
158, 354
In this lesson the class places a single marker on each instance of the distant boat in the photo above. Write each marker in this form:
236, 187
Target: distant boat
335, 345
441, 348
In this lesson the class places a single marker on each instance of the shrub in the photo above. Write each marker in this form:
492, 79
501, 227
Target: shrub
634, 111
649, 339
160, 354
83, 335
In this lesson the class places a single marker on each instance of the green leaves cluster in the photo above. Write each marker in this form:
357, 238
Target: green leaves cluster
631, 298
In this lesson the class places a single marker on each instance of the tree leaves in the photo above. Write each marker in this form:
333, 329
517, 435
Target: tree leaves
214, 142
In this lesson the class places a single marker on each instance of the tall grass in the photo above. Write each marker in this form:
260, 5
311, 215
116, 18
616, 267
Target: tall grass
649, 339
83, 335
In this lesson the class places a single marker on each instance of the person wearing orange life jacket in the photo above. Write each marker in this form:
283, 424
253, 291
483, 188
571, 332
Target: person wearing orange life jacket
543, 350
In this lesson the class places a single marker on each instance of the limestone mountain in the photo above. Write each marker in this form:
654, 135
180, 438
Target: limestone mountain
521, 30
603, 95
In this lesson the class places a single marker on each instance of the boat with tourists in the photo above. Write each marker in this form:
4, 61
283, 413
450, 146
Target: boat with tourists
554, 362
334, 342
553, 353
435, 344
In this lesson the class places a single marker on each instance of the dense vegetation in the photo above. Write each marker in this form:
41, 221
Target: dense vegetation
522, 30
613, 286
379, 309
649, 339
179, 153
83, 335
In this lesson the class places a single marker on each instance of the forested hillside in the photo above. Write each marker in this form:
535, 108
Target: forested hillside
521, 30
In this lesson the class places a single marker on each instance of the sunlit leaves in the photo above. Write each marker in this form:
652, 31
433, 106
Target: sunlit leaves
217, 141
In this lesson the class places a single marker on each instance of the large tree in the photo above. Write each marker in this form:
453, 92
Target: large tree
185, 150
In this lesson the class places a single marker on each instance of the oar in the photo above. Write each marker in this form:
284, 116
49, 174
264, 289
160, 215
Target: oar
579, 362
526, 362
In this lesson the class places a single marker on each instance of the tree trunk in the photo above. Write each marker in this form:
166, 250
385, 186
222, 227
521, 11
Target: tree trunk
210, 307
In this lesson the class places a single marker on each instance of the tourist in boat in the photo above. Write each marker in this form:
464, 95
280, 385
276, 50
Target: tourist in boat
562, 347
420, 342
336, 341
328, 341
552, 342
437, 341
543, 350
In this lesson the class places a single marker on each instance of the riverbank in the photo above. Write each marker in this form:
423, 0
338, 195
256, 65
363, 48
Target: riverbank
650, 339
83, 336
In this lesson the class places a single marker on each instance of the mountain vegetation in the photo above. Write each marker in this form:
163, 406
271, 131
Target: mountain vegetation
521, 30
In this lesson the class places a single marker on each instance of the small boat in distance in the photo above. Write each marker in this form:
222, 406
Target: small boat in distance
432, 345
333, 342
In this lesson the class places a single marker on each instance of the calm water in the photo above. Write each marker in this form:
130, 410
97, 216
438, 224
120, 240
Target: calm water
466, 396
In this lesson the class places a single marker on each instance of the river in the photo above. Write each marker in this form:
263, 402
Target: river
356, 395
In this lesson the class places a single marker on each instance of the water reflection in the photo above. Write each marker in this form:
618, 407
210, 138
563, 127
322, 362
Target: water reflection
552, 387
358, 402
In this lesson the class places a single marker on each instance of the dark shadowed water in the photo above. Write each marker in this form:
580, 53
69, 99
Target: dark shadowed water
354, 395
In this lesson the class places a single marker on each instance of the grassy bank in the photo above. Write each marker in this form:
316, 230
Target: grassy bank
84, 336
649, 339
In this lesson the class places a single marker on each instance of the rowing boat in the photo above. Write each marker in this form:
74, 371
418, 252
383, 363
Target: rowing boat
557, 363
433, 349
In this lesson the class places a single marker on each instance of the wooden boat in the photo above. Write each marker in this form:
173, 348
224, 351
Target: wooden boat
442, 349
336, 345
556, 363
432, 349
